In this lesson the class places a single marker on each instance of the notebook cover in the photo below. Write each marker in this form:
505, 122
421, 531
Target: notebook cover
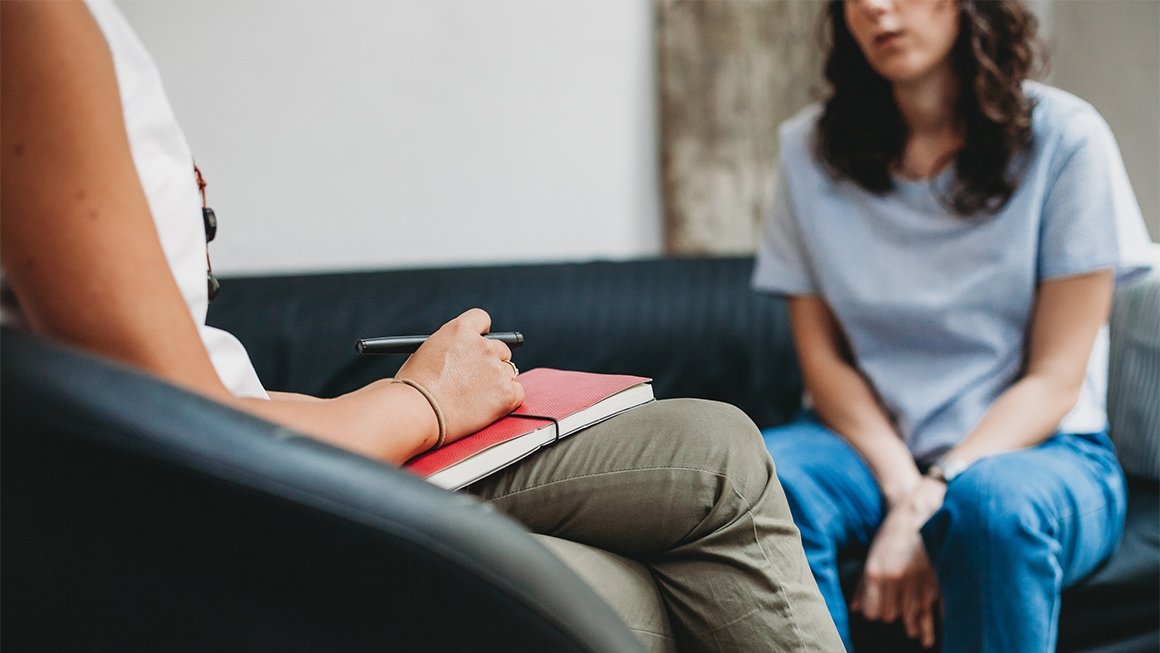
547, 392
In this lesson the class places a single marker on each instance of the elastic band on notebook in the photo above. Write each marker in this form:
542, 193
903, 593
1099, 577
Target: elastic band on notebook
555, 422
434, 406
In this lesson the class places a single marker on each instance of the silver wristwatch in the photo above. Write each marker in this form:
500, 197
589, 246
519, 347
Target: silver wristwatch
947, 469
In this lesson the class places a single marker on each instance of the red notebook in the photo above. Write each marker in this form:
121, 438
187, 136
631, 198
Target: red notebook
576, 400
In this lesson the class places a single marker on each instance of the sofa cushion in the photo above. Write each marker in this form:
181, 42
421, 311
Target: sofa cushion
696, 326
1134, 377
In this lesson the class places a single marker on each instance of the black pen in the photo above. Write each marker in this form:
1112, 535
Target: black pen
408, 344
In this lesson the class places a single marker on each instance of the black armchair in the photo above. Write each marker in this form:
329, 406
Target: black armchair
139, 516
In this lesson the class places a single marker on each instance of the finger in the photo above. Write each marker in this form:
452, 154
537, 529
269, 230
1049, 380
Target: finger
890, 598
509, 370
931, 614
517, 394
926, 627
475, 319
871, 600
912, 609
499, 350
856, 602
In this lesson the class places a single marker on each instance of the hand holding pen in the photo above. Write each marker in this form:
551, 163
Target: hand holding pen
469, 380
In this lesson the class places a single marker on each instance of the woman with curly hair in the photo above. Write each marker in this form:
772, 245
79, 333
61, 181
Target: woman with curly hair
948, 234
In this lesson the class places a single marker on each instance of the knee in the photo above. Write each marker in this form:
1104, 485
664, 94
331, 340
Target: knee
989, 508
721, 439
724, 426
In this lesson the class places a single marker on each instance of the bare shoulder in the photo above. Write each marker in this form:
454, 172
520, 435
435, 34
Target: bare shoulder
80, 248
55, 40
59, 85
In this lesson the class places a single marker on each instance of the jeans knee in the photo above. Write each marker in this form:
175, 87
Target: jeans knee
986, 510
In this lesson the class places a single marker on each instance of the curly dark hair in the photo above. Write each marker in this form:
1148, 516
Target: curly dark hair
861, 134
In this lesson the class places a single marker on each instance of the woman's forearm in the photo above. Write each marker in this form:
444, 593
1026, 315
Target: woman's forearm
387, 421
845, 402
1023, 416
844, 399
1069, 313
466, 374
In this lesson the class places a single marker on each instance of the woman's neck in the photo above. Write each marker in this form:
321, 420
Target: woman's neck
927, 103
928, 106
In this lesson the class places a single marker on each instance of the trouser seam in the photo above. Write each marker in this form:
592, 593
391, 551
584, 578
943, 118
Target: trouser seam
654, 634
985, 598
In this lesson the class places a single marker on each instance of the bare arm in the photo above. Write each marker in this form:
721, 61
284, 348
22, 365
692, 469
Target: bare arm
84, 259
898, 580
844, 399
1068, 314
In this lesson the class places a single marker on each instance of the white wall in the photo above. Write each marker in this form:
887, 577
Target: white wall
1108, 52
342, 134
346, 135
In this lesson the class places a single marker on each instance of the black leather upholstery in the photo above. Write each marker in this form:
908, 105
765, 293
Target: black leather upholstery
137, 516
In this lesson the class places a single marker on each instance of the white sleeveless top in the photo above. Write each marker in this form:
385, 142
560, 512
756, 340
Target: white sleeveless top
165, 167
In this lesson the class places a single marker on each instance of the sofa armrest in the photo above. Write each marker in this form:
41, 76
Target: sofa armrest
1134, 375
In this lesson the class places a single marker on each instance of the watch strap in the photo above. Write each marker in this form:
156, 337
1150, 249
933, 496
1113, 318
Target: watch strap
947, 469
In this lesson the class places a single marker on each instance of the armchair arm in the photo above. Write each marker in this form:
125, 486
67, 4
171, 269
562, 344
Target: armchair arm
139, 515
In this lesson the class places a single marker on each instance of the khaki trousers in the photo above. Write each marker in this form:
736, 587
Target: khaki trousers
694, 544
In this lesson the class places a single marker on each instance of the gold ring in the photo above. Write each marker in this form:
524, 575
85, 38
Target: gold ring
515, 370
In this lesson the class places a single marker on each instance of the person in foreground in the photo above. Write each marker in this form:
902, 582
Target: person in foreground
104, 248
948, 234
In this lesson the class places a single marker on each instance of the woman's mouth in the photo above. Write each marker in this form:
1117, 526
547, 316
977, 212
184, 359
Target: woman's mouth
887, 39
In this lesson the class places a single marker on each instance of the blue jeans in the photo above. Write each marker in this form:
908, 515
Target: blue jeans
1014, 530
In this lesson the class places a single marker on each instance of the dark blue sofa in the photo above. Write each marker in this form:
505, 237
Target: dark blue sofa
697, 329
136, 516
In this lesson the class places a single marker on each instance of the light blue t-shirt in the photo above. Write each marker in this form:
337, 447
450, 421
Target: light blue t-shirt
936, 307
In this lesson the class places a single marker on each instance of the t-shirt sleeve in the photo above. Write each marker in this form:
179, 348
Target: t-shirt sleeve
782, 265
1091, 219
